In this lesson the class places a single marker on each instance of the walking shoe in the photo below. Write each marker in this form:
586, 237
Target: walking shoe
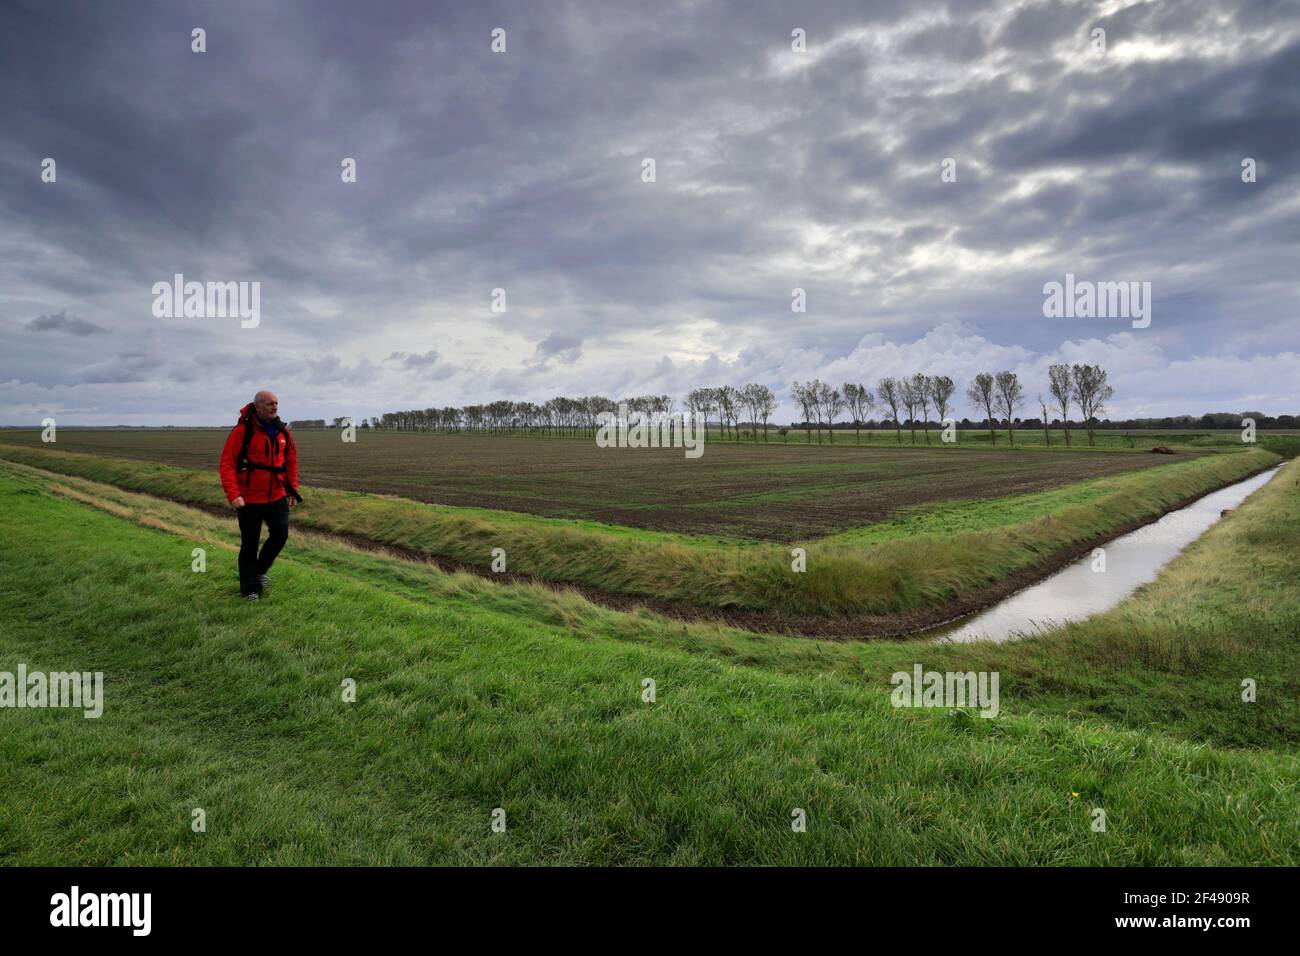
264, 581
253, 597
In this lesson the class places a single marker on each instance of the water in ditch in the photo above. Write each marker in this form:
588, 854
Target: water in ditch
1077, 591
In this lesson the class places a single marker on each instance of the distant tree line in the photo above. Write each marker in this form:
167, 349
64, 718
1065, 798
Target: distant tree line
732, 405
911, 402
339, 422
559, 416
727, 406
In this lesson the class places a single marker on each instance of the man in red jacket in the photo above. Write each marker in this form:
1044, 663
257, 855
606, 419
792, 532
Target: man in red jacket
259, 472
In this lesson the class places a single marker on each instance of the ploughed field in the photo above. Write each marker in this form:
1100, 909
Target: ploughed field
767, 491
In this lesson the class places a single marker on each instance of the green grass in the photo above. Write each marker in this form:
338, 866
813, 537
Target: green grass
474, 695
946, 518
1135, 665
885, 576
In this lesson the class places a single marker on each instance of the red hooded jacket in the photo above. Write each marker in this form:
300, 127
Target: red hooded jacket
258, 486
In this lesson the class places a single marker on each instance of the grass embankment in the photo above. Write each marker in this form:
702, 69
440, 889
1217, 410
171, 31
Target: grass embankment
1163, 659
474, 695
916, 572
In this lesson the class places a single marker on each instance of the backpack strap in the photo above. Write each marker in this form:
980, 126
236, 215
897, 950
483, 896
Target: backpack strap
241, 460
284, 471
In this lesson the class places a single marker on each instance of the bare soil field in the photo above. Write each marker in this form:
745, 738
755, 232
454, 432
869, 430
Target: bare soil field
773, 492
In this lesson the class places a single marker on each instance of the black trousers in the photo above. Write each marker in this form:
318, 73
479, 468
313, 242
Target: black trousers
251, 564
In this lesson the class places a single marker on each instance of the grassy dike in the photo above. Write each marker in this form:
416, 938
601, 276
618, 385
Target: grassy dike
474, 695
843, 578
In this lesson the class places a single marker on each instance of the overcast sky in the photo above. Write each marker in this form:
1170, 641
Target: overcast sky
522, 170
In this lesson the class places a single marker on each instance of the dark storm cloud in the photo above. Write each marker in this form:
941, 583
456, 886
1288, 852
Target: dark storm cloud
559, 347
428, 366
62, 322
414, 361
522, 171
126, 367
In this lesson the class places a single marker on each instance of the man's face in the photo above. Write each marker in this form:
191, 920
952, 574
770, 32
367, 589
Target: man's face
268, 406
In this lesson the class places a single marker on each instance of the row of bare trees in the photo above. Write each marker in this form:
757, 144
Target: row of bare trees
570, 416
1082, 386
559, 416
732, 405
910, 400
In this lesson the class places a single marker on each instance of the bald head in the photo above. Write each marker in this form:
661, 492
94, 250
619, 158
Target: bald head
266, 404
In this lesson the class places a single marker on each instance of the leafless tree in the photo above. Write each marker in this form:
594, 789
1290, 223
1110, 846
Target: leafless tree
832, 402
726, 398
1047, 434
1011, 396
889, 393
765, 402
860, 401
980, 393
910, 392
709, 397
941, 389
1092, 392
819, 394
1061, 385
921, 385
803, 394
696, 401
760, 401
